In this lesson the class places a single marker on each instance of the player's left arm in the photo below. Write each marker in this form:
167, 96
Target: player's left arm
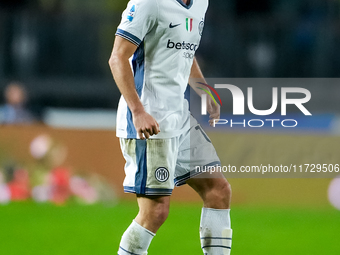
196, 76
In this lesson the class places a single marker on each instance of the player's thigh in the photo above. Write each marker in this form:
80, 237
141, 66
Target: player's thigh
215, 192
150, 166
196, 154
207, 182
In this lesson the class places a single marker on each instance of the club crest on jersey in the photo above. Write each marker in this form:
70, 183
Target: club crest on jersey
162, 174
131, 13
189, 24
200, 27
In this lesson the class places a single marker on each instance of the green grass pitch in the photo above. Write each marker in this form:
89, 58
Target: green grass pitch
27, 228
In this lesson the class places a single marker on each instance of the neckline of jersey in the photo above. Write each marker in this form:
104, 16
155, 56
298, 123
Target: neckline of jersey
184, 5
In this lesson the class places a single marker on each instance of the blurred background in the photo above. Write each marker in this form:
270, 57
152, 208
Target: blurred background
61, 168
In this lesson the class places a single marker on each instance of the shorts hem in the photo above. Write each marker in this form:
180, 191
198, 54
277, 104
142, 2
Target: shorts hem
181, 180
149, 191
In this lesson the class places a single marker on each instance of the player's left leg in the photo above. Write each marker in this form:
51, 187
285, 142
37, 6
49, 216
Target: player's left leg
215, 227
214, 189
196, 150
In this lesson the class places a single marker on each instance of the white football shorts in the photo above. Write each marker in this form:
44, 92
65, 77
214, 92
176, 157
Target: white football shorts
155, 166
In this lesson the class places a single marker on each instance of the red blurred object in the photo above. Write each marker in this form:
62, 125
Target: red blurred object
60, 179
19, 186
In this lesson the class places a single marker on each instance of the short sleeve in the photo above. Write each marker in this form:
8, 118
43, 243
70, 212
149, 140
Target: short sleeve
137, 20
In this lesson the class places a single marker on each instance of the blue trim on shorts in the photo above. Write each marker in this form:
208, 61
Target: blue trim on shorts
150, 191
181, 180
142, 173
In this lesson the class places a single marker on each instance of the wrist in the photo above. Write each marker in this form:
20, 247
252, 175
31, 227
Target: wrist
137, 110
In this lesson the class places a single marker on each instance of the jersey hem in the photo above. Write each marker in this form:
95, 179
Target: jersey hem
159, 136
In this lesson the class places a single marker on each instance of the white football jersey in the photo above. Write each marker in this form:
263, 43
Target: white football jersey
167, 33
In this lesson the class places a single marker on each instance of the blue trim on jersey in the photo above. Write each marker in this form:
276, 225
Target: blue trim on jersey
130, 129
128, 36
128, 189
138, 72
184, 5
142, 173
181, 180
187, 95
138, 62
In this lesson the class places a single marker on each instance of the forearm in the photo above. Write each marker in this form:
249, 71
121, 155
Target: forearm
196, 81
197, 77
123, 77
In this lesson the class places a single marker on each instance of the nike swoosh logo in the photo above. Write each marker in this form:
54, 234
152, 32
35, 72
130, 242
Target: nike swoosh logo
172, 26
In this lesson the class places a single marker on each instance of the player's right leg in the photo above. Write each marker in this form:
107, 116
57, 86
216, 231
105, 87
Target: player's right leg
150, 166
153, 211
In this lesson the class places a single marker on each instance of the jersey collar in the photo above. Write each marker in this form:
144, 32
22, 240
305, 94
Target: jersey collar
184, 5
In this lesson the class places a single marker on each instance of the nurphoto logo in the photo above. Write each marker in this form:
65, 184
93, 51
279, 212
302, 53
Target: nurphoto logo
239, 105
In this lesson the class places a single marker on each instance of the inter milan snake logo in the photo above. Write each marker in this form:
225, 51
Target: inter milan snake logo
162, 174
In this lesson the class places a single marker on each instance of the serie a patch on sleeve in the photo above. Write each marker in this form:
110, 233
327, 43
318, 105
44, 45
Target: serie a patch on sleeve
132, 12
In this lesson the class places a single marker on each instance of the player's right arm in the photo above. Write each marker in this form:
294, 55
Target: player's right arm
144, 123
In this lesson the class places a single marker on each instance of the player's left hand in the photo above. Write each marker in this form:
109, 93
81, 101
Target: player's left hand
214, 110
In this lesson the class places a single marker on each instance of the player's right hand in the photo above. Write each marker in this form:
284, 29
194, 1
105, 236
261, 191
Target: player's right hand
145, 125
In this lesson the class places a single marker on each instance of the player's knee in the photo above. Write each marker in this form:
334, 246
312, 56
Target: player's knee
160, 213
226, 190
220, 195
